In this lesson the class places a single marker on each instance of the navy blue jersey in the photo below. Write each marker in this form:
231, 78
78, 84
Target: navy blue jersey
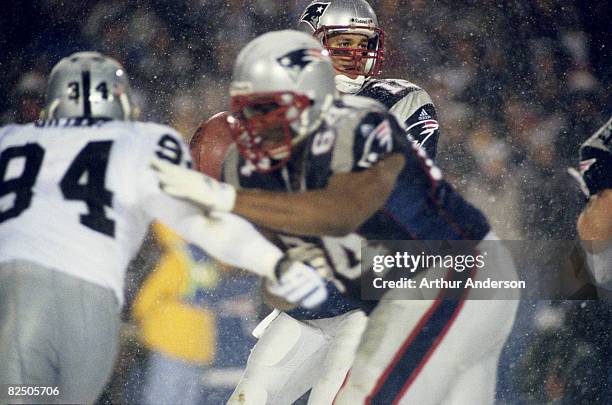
356, 135
411, 105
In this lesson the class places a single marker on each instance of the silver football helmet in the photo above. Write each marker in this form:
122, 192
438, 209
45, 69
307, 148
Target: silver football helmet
326, 19
88, 84
282, 87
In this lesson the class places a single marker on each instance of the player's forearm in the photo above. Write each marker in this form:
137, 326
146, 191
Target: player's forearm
233, 241
348, 201
307, 213
595, 222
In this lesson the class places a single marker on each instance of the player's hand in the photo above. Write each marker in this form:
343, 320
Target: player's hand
194, 186
315, 257
311, 255
298, 283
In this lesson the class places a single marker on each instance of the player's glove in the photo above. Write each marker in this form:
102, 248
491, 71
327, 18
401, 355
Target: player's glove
194, 186
314, 256
298, 283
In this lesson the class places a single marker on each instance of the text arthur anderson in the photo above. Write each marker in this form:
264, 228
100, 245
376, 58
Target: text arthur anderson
449, 284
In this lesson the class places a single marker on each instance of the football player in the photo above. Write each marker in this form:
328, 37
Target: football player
595, 221
337, 172
76, 197
350, 32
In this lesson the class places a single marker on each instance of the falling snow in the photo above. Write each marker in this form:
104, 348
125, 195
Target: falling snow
518, 85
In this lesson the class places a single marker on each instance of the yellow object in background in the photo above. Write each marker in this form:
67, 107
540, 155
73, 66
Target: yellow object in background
172, 320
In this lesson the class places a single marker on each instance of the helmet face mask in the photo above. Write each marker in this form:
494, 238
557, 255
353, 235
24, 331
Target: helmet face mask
354, 61
326, 19
263, 126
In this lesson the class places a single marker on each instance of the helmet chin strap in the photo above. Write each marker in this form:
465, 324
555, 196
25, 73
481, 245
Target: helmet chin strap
345, 84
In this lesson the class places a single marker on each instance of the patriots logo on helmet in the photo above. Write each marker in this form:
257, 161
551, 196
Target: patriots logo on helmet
294, 62
313, 13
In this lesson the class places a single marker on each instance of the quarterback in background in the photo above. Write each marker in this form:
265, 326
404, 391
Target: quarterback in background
350, 32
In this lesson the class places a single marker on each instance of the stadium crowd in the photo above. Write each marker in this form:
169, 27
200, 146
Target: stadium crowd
518, 86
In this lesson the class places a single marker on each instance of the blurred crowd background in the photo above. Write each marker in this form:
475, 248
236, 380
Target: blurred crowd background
518, 86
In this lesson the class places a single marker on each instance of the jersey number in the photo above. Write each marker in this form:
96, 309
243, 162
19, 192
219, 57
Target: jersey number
83, 181
31, 156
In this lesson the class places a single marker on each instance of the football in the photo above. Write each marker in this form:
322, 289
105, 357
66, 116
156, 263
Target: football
210, 143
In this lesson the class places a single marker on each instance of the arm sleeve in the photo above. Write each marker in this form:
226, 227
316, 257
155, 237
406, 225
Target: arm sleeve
227, 237
378, 135
418, 113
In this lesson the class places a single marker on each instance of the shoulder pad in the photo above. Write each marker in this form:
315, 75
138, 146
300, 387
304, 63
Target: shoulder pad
349, 110
388, 91
151, 128
165, 142
394, 83
360, 102
10, 128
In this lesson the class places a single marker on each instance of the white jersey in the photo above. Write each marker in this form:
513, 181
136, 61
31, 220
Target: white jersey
77, 196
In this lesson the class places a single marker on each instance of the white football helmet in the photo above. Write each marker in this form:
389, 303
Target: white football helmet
282, 86
88, 85
325, 19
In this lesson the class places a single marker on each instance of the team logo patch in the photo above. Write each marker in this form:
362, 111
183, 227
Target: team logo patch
294, 62
382, 133
428, 127
313, 13
379, 140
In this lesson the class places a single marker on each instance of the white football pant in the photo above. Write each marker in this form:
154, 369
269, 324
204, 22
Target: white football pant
292, 357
